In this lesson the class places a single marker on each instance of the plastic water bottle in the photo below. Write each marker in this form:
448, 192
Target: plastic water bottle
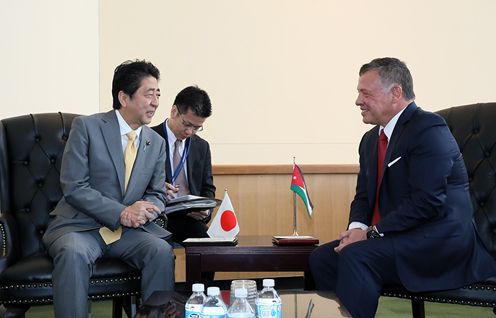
268, 302
214, 307
194, 305
240, 308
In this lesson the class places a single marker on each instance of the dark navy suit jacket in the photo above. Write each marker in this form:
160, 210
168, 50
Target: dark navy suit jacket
199, 166
424, 203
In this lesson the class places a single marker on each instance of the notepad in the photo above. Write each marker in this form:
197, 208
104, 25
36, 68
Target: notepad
210, 241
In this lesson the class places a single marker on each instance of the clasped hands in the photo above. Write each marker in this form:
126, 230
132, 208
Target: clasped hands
139, 213
350, 236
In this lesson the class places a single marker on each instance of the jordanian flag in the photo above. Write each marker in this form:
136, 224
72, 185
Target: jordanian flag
299, 187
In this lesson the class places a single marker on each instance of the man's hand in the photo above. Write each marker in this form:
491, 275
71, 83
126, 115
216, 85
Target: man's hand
139, 213
171, 190
350, 236
199, 215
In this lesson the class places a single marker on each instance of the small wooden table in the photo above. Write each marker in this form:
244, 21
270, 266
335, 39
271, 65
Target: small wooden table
252, 254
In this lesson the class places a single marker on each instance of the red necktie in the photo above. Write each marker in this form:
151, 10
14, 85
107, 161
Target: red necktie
381, 154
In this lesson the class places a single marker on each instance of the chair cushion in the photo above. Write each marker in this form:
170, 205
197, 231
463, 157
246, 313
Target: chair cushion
30, 280
477, 294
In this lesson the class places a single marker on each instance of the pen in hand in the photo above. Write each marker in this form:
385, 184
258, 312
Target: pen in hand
171, 190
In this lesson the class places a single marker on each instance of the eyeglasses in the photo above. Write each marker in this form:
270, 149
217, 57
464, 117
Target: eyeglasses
189, 125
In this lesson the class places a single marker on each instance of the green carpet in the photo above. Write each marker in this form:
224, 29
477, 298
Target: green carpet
388, 308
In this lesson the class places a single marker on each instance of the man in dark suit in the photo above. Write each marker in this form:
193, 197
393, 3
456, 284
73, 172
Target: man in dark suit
410, 224
191, 172
112, 178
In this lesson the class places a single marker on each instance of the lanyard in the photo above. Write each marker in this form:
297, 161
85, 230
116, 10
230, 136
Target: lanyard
184, 157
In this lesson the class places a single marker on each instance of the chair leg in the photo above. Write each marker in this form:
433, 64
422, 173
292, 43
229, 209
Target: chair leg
129, 304
418, 309
117, 304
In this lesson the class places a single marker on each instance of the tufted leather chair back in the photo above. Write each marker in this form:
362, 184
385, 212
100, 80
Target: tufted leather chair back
474, 128
31, 149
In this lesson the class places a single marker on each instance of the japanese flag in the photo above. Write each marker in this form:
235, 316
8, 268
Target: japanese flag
225, 223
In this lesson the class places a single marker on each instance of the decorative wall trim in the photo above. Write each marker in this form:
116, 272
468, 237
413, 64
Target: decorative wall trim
237, 169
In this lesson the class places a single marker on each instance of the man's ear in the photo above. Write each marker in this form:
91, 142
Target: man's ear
123, 98
397, 91
174, 111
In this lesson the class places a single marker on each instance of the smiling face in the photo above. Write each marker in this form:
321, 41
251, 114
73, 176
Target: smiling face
138, 109
377, 103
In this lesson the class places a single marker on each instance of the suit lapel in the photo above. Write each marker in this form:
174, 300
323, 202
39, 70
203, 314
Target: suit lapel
395, 137
168, 171
398, 131
373, 166
111, 135
190, 159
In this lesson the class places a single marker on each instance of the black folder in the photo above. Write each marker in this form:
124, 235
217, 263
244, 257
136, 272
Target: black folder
189, 203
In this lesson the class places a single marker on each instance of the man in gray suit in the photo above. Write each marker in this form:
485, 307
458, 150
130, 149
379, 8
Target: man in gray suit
105, 195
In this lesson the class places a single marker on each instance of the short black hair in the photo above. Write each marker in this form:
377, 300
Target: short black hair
195, 99
392, 71
128, 77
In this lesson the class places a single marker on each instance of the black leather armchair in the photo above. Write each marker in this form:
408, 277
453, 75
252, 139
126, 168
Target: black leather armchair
31, 149
474, 129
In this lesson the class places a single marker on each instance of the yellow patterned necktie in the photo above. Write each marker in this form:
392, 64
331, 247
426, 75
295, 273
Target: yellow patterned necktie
129, 157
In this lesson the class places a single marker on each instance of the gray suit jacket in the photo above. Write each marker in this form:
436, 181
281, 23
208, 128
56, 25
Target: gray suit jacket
92, 177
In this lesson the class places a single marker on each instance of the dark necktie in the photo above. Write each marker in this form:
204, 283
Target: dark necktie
381, 155
181, 178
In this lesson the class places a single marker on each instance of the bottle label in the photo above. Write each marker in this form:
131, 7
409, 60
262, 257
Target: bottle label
240, 315
272, 310
193, 310
213, 312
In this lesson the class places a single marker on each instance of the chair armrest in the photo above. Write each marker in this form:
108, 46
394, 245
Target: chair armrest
8, 252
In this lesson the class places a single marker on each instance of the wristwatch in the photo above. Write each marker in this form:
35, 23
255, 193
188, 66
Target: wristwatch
372, 232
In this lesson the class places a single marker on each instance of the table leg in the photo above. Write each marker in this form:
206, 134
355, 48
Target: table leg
193, 269
309, 283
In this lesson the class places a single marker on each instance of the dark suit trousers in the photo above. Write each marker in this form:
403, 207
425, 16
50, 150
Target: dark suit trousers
357, 274
183, 226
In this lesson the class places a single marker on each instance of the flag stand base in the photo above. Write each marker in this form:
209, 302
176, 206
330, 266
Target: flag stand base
295, 233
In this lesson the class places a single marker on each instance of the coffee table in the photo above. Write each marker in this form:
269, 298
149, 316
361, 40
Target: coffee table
294, 304
252, 254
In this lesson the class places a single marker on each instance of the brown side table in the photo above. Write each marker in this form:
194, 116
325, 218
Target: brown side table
252, 254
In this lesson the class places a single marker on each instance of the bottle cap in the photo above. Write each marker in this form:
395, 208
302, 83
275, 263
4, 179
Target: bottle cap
268, 282
213, 291
198, 287
241, 292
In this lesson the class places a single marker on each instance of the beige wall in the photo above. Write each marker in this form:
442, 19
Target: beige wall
281, 73
49, 56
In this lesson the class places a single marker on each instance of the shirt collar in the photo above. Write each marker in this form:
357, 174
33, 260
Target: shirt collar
171, 137
124, 126
388, 130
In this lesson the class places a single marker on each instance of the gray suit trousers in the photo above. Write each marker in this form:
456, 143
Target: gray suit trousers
74, 254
